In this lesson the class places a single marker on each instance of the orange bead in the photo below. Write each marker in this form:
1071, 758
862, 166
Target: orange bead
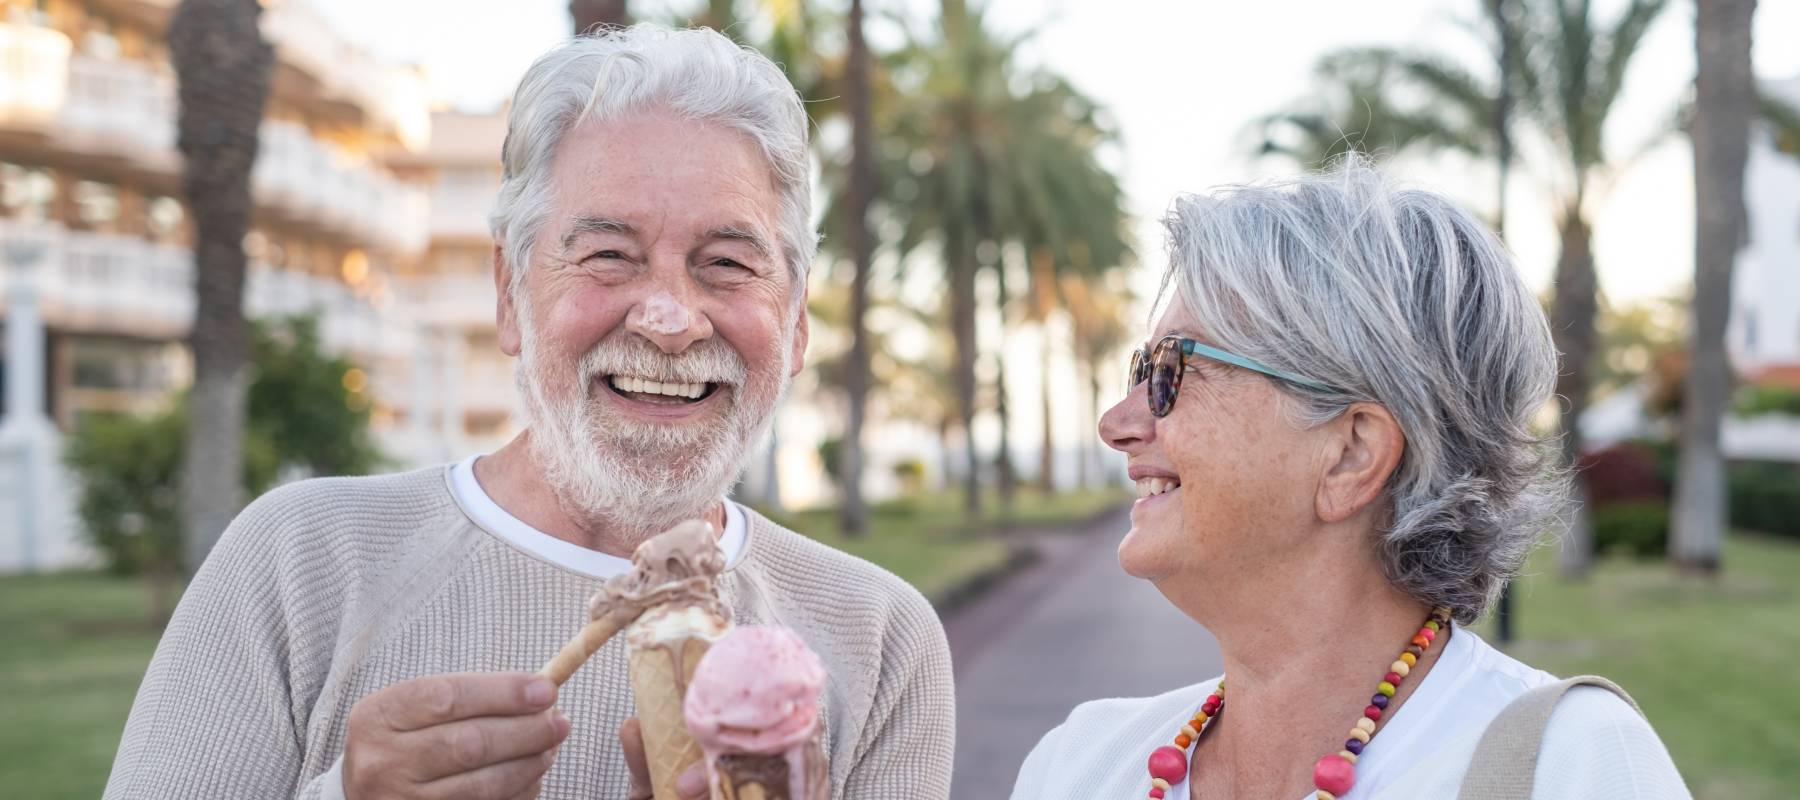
1183, 741
1421, 641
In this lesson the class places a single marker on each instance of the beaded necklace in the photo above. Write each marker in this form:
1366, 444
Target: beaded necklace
1334, 774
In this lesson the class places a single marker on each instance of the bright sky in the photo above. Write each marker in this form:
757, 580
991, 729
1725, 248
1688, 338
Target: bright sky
1184, 79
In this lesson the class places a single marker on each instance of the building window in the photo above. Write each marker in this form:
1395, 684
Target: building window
96, 206
163, 218
26, 193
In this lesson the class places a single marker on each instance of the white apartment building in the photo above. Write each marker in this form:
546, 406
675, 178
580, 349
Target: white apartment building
98, 268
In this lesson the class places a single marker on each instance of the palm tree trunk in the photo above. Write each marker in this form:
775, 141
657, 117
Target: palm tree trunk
1090, 460
862, 248
1724, 100
591, 13
962, 313
1572, 315
1005, 476
722, 17
223, 66
1047, 453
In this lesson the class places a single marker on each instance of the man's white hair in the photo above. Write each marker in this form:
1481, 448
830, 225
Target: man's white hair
696, 73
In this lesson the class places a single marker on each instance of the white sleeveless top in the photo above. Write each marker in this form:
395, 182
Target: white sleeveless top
1595, 745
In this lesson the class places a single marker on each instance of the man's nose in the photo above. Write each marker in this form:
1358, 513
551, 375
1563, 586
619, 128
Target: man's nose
669, 321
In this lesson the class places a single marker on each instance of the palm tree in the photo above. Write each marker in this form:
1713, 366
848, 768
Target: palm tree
1568, 73
984, 157
860, 195
589, 14
1097, 318
1724, 102
222, 65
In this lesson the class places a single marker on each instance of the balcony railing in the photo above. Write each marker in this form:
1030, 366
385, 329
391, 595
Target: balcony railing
130, 285
126, 109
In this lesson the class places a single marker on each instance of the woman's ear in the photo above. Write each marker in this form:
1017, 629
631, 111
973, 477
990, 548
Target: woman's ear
1365, 452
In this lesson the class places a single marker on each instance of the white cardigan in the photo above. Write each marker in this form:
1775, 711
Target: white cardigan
1596, 746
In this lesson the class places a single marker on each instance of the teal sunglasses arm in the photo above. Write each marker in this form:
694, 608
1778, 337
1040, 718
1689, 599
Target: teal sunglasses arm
1190, 347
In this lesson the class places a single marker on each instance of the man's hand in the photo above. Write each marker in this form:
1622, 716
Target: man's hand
490, 736
690, 786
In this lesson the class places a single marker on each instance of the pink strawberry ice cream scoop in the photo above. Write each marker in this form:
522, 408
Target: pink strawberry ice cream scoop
755, 691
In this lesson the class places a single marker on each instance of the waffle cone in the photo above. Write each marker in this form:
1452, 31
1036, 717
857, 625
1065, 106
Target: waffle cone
659, 678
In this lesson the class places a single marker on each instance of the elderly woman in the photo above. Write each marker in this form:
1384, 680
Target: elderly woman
1331, 430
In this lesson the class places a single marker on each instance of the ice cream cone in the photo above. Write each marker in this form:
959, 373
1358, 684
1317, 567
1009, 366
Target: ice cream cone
795, 775
659, 678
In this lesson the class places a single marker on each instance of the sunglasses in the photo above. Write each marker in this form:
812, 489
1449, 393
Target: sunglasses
1165, 362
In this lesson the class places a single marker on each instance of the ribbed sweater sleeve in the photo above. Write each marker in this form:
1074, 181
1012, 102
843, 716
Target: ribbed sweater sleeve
213, 717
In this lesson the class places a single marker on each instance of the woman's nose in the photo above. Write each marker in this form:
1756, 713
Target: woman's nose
1128, 426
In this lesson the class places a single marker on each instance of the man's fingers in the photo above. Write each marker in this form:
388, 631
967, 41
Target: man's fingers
631, 740
692, 783
471, 744
437, 699
531, 792
501, 781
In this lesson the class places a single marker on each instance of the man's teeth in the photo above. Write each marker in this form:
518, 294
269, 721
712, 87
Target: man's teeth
691, 391
1150, 487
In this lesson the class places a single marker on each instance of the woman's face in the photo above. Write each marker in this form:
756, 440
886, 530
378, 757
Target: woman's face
1225, 482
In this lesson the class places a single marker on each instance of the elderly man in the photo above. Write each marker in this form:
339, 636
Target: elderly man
373, 637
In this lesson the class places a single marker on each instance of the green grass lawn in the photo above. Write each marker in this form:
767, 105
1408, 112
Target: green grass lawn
74, 646
72, 650
1715, 664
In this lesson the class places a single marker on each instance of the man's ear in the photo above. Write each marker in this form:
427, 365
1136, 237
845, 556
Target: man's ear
802, 332
1365, 450
506, 321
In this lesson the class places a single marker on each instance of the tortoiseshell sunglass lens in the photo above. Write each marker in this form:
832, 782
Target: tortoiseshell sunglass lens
1165, 376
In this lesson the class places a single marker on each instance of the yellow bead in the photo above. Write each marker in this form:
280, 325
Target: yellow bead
1200, 719
1159, 783
1399, 668
1385, 688
1324, 795
1368, 725
1190, 731
1347, 756
1410, 659
1359, 734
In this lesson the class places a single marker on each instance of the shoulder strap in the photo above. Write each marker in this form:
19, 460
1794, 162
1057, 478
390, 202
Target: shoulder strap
1505, 761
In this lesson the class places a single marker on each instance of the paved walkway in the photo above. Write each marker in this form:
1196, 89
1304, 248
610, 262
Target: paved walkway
1072, 627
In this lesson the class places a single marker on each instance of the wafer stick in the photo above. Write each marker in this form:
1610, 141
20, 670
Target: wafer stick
592, 637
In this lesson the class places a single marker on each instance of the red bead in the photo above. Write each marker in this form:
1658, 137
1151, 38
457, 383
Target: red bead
1156, 793
1334, 775
1372, 713
1429, 634
1393, 678
1168, 763
1210, 709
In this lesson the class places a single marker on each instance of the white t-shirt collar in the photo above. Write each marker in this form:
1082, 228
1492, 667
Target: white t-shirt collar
498, 521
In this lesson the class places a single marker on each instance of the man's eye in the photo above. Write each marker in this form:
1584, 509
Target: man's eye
607, 254
726, 262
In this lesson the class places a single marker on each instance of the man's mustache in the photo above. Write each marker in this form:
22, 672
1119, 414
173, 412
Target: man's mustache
706, 361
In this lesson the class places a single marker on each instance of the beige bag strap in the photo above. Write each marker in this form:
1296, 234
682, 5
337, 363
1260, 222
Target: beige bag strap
1505, 761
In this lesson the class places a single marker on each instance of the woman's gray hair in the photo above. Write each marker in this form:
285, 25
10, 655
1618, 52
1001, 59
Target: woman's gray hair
697, 73
1401, 298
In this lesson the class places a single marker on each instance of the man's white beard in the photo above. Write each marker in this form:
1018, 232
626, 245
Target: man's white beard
640, 478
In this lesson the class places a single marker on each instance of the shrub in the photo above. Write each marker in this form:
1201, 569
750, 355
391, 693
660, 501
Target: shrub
1638, 529
304, 418
1765, 496
1623, 473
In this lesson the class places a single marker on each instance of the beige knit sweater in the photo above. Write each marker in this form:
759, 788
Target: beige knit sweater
325, 591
